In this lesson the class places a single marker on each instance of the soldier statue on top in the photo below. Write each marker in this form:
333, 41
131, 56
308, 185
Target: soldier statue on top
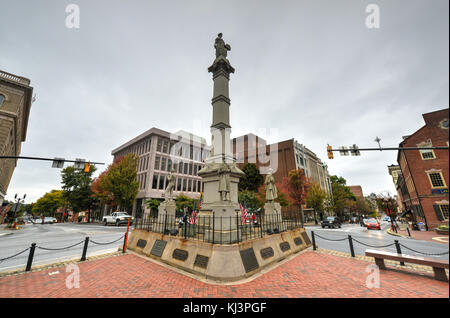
221, 47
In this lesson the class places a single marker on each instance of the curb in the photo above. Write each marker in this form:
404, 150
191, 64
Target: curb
389, 231
5, 234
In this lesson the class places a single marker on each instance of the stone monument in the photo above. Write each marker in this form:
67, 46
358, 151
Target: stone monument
167, 208
272, 210
220, 174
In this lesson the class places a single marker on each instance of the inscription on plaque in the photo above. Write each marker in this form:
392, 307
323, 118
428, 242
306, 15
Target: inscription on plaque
298, 241
285, 246
249, 260
141, 243
266, 252
306, 238
201, 261
158, 248
181, 255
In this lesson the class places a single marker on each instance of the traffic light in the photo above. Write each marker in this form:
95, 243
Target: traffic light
87, 167
330, 152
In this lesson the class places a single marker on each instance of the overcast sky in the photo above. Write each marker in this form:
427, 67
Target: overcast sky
310, 70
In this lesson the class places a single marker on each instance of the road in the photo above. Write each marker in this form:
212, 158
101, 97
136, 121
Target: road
56, 236
374, 238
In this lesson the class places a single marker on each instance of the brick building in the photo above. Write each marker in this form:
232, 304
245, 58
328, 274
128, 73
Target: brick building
158, 151
15, 103
282, 157
357, 190
423, 182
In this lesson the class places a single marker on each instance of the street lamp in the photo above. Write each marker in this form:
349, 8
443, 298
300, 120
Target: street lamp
18, 201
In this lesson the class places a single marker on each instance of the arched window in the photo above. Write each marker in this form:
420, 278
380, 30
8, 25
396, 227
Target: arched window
2, 98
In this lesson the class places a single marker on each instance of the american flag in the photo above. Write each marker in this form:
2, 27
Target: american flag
244, 214
193, 218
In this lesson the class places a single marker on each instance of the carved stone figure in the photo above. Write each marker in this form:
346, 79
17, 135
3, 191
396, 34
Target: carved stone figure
271, 189
221, 47
170, 186
224, 182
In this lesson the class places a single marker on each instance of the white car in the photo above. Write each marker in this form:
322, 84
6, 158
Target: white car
117, 218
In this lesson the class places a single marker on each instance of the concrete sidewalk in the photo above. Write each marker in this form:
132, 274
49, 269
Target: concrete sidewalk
307, 274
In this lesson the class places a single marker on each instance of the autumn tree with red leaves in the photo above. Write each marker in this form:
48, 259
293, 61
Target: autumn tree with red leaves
297, 186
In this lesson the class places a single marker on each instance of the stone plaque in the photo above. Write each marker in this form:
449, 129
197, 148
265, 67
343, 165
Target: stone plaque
306, 238
141, 243
266, 252
201, 261
298, 241
285, 246
249, 260
158, 248
180, 255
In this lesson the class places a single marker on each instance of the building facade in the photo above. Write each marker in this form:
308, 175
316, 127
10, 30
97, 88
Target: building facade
424, 178
15, 103
396, 172
357, 191
158, 152
282, 157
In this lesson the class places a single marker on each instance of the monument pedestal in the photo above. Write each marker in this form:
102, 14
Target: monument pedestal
166, 215
272, 217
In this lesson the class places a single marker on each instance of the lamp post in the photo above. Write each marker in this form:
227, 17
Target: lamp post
18, 201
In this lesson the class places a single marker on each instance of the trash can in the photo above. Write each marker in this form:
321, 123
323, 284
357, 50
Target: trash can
421, 226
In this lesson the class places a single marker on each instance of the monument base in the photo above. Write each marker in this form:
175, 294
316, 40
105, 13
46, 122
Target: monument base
272, 217
166, 215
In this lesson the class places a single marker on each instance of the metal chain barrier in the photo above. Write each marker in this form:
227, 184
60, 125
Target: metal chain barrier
92, 241
6, 258
330, 239
435, 254
372, 245
58, 249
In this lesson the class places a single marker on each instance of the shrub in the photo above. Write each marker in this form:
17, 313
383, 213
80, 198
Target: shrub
443, 227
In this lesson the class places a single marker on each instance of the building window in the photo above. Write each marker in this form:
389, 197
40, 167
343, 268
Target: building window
444, 210
165, 146
436, 180
190, 169
2, 98
184, 184
179, 184
194, 186
157, 163
190, 185
180, 168
195, 170
159, 145
185, 168
155, 182
169, 164
161, 182
163, 164
198, 186
443, 123
427, 154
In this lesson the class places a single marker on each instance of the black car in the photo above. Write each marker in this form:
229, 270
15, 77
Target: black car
331, 222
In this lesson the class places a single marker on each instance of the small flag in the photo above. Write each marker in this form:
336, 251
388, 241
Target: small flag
244, 214
193, 219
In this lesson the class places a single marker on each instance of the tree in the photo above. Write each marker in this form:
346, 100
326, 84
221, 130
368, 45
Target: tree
120, 184
316, 199
49, 203
343, 198
182, 201
250, 199
297, 186
76, 185
153, 205
252, 178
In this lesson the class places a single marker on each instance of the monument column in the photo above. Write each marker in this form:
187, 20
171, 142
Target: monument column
220, 174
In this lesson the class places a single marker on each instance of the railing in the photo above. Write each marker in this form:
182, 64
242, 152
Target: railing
14, 78
219, 229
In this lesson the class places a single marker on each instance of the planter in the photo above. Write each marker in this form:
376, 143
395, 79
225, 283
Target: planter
441, 232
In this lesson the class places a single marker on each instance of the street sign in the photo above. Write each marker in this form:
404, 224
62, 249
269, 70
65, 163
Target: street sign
79, 163
58, 163
343, 151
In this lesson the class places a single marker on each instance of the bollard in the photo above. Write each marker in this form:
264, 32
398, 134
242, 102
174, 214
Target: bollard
409, 234
30, 257
86, 242
214, 223
350, 242
399, 251
313, 240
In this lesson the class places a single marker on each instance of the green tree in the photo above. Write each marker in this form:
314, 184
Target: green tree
250, 199
182, 201
297, 186
153, 205
252, 178
48, 203
343, 198
316, 199
76, 185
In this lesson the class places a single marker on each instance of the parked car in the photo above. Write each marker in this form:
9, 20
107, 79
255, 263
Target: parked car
47, 220
331, 222
373, 224
353, 220
118, 218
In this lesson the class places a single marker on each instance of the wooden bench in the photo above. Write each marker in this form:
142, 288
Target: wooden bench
438, 265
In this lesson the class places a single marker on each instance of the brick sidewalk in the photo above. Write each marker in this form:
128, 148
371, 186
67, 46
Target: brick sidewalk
309, 274
430, 236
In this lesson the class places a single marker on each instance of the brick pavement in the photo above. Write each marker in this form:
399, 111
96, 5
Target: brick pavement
430, 236
308, 274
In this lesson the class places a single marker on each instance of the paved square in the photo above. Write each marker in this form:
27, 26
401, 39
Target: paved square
309, 274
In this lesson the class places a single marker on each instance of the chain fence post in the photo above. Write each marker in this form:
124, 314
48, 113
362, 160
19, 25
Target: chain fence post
350, 242
214, 224
30, 257
399, 250
86, 242
313, 240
